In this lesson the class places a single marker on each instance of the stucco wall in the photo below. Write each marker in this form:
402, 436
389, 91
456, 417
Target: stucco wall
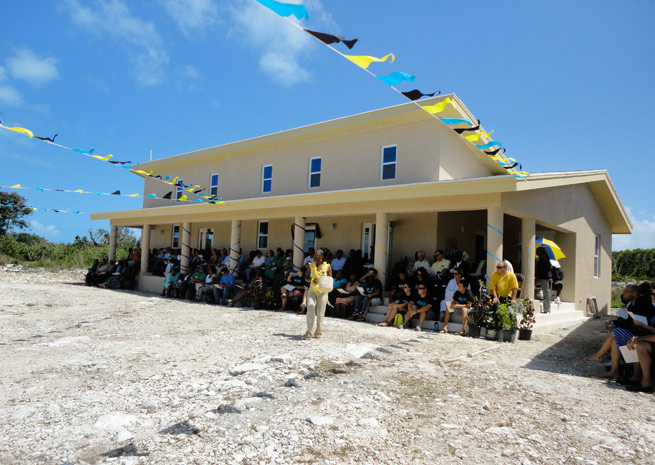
426, 151
573, 209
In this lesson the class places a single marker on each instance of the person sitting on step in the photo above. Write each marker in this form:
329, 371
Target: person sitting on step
398, 306
462, 301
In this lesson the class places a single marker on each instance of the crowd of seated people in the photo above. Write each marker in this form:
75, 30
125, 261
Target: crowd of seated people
108, 274
630, 339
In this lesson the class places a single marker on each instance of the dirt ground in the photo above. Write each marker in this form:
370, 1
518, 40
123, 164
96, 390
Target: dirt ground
94, 376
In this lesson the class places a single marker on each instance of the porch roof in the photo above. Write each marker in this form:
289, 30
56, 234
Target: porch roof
353, 201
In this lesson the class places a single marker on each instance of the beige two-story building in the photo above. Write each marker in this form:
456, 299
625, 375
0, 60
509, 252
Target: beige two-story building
389, 182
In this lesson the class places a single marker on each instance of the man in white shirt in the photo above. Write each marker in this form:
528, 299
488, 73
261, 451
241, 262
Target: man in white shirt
421, 262
338, 262
257, 262
310, 257
440, 262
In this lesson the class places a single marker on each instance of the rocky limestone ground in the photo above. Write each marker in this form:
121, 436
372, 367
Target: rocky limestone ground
92, 376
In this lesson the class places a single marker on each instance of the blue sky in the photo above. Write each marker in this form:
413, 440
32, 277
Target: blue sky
565, 85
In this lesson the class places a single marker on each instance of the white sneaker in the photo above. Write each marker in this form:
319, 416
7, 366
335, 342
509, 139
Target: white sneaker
557, 300
418, 327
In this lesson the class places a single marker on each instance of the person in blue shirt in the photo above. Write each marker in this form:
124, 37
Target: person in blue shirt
223, 290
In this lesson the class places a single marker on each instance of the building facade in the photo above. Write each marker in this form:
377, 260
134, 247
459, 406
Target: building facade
389, 182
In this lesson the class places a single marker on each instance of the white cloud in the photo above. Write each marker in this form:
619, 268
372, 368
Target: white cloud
192, 15
10, 96
191, 72
27, 66
114, 18
642, 237
47, 231
282, 45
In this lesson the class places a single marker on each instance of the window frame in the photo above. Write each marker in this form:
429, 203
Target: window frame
310, 173
267, 179
179, 184
597, 249
383, 164
261, 235
213, 186
174, 244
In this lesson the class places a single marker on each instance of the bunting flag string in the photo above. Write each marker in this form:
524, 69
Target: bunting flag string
183, 198
364, 61
53, 210
107, 158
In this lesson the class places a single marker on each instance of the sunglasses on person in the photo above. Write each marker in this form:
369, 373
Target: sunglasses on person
500, 267
421, 288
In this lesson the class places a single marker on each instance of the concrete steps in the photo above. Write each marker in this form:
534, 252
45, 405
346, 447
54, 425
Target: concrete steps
561, 315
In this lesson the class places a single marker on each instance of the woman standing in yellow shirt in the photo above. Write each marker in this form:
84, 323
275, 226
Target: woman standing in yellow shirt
316, 300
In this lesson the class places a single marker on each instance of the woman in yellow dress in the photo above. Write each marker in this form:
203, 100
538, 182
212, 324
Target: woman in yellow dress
316, 300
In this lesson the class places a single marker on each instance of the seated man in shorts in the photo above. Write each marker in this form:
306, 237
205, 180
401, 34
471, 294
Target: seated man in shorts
462, 300
420, 305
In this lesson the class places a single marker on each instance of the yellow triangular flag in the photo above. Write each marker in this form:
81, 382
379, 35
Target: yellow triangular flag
29, 133
437, 107
133, 195
477, 136
182, 199
79, 191
172, 182
16, 186
364, 61
103, 158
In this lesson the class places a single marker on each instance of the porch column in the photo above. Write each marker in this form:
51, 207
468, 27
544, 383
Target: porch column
299, 224
381, 241
528, 236
235, 245
494, 238
113, 233
186, 247
145, 248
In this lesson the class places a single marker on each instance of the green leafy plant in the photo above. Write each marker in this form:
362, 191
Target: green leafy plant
505, 317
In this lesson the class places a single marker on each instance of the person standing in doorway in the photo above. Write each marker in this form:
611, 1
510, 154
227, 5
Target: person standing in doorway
543, 275
316, 300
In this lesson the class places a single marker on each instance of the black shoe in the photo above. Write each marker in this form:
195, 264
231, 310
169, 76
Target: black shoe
628, 381
639, 388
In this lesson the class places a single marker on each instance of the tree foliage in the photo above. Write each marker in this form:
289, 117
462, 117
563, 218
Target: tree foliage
12, 212
636, 264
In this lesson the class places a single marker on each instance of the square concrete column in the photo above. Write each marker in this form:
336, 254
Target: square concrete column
495, 215
235, 245
528, 237
186, 247
381, 242
299, 224
145, 248
113, 234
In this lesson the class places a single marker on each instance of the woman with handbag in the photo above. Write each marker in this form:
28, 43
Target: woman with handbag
320, 285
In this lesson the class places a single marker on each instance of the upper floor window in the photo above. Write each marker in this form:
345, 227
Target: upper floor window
213, 185
388, 163
267, 178
179, 189
597, 256
314, 172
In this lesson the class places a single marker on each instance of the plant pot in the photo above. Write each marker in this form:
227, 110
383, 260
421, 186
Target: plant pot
491, 334
499, 335
509, 335
525, 334
474, 331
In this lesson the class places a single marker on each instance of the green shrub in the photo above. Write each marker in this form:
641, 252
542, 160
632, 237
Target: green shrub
635, 265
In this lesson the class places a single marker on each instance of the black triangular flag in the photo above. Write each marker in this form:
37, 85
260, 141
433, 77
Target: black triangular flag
494, 152
116, 193
417, 94
332, 38
461, 130
168, 196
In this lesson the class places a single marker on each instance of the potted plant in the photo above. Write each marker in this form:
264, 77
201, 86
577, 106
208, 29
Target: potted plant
479, 310
527, 321
506, 315
492, 324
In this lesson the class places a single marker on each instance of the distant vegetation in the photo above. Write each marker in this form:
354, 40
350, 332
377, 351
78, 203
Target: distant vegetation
635, 265
37, 251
